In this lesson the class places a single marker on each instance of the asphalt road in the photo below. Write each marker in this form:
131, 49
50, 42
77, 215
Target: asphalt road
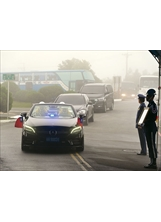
111, 144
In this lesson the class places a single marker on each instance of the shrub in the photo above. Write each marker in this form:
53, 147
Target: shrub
51, 92
3, 99
13, 87
34, 97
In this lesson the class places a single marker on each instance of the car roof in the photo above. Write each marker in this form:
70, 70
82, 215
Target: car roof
72, 94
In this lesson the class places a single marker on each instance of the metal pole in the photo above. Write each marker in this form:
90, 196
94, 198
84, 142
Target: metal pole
159, 90
8, 100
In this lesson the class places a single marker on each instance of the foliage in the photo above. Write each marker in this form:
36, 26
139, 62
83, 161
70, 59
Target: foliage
21, 96
28, 96
13, 87
34, 96
3, 99
51, 92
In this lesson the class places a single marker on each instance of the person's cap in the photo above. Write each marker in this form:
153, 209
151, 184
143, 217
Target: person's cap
151, 92
141, 96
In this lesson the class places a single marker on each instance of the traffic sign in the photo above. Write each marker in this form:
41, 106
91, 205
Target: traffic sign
8, 76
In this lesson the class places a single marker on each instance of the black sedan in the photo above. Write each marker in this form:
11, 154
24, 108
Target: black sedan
81, 103
51, 125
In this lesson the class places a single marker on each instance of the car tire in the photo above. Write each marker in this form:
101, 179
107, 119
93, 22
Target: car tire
92, 118
112, 106
104, 110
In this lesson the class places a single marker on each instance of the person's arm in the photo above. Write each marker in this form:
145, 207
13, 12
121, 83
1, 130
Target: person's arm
139, 116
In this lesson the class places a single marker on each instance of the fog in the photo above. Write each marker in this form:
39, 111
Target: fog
105, 64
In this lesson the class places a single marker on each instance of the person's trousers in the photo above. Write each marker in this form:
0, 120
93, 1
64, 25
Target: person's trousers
150, 138
142, 138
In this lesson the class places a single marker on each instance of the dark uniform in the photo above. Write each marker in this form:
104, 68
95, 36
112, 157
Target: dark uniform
141, 131
151, 128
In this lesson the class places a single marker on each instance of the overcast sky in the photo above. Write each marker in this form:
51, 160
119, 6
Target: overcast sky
103, 63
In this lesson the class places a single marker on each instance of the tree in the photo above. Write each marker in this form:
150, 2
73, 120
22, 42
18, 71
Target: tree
34, 96
51, 92
77, 64
3, 99
13, 87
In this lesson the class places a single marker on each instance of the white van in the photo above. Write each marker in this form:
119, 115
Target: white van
148, 82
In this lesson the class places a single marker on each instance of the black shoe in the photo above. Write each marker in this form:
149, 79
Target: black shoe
151, 166
143, 154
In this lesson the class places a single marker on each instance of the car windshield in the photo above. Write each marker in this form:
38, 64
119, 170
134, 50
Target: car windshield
71, 99
56, 111
92, 89
128, 85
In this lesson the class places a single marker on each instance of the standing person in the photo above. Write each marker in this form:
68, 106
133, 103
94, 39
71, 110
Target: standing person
151, 128
141, 132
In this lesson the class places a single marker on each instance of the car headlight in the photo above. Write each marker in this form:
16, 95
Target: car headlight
76, 130
133, 95
82, 112
123, 94
29, 129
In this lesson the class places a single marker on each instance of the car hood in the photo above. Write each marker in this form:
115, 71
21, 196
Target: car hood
79, 107
33, 122
94, 96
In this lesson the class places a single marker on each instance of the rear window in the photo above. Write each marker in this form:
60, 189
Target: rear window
93, 89
128, 85
71, 99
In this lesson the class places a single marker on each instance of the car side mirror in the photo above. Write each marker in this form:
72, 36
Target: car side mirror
24, 114
90, 103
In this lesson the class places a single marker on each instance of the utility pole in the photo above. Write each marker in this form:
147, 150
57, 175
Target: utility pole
127, 57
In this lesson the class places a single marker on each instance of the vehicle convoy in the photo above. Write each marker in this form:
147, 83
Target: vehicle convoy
100, 94
128, 90
80, 102
49, 125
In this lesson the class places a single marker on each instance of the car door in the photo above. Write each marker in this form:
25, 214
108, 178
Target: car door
110, 95
89, 106
107, 96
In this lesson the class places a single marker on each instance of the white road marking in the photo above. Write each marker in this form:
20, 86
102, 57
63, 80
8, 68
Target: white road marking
74, 158
83, 160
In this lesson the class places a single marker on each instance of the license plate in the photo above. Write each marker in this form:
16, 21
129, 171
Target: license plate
52, 139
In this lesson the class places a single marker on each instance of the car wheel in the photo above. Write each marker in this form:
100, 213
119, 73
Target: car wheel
92, 117
104, 108
112, 106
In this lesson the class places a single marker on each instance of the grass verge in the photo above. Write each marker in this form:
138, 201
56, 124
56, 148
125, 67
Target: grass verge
21, 105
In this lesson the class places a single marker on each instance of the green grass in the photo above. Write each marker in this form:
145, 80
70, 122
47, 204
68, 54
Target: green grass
21, 104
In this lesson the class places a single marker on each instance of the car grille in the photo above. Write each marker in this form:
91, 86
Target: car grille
49, 130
